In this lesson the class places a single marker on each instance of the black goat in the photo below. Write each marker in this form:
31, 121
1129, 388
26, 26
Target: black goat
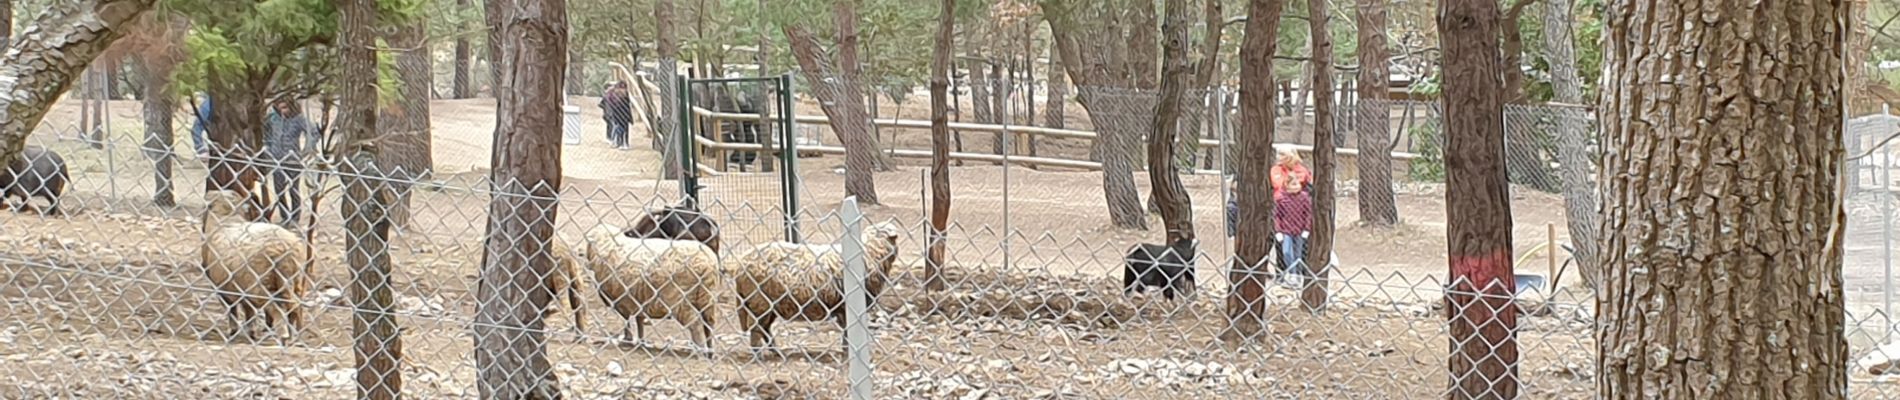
1170, 267
677, 222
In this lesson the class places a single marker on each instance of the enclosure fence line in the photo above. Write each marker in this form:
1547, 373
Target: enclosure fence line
119, 296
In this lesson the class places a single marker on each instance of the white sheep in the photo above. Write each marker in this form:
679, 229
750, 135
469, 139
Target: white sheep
655, 278
254, 266
804, 282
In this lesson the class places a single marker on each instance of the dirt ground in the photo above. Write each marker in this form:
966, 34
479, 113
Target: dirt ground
108, 301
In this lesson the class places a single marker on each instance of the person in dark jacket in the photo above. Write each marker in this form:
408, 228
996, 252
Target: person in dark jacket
1293, 222
616, 106
289, 137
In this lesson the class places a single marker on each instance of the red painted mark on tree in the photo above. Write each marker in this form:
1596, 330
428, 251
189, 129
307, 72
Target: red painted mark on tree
1479, 272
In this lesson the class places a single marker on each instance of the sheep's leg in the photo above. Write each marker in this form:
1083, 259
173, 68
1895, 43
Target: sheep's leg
749, 324
294, 312
233, 313
273, 311
640, 331
580, 316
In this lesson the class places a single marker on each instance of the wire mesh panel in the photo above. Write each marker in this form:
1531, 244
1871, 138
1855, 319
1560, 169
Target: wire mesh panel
742, 146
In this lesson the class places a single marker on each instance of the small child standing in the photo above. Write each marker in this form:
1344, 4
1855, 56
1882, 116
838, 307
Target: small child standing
1293, 220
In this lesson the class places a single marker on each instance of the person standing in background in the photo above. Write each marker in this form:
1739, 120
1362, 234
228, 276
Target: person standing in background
616, 106
290, 135
199, 127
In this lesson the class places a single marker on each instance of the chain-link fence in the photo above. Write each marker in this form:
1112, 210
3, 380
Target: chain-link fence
113, 297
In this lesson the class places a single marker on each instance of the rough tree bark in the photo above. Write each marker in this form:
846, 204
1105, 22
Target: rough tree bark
407, 154
158, 109
1096, 63
1723, 223
156, 52
1177, 214
463, 57
235, 133
1246, 300
668, 45
1483, 360
1525, 161
1859, 47
1377, 207
378, 347
1580, 195
844, 18
511, 357
844, 106
1054, 112
940, 143
1319, 248
1213, 18
6, 23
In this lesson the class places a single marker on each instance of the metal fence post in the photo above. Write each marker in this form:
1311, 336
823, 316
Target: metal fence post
789, 156
857, 333
689, 169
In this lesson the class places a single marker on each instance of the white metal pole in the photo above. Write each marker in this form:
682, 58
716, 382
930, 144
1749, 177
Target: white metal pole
857, 333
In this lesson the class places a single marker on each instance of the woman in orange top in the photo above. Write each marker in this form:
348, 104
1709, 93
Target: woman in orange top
1289, 169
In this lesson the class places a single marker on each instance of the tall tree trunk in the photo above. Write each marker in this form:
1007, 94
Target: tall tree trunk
940, 49
158, 109
463, 55
1177, 214
236, 131
845, 109
1525, 161
378, 348
1209, 69
1483, 360
1377, 207
1319, 249
1253, 237
1054, 112
1859, 47
38, 69
1116, 142
672, 165
6, 23
980, 92
88, 99
1580, 195
1723, 224
844, 18
408, 153
1512, 51
511, 357
1144, 52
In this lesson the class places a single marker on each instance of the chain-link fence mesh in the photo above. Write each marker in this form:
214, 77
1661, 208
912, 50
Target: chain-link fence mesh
112, 296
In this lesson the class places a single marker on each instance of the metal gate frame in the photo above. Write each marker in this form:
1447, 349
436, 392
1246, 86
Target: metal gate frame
787, 148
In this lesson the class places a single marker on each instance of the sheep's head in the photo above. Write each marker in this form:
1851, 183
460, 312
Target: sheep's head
880, 240
223, 203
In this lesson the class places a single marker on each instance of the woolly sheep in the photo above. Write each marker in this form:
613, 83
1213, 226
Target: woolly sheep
655, 278
254, 266
802, 282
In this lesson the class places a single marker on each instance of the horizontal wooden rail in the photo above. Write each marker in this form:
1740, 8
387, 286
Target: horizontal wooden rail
963, 126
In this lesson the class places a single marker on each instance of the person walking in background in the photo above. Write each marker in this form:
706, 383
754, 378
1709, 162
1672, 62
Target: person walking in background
285, 145
616, 106
199, 127
1293, 222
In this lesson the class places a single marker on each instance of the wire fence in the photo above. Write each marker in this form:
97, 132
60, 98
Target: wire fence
111, 296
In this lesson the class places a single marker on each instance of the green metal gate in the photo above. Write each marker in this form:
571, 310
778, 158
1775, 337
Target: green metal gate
739, 131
